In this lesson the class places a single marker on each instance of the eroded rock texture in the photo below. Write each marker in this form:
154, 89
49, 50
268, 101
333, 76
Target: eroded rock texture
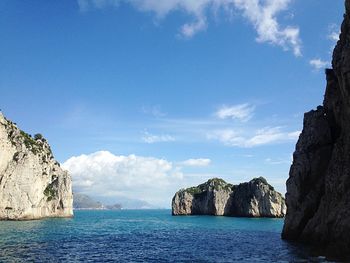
318, 188
32, 183
216, 197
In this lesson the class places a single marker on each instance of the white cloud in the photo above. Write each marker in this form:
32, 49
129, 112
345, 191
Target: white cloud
105, 174
334, 36
263, 136
261, 14
190, 29
228, 137
155, 111
318, 64
149, 179
294, 135
197, 162
271, 135
151, 138
242, 112
334, 32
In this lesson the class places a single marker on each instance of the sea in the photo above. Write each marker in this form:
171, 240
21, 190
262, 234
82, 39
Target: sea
147, 236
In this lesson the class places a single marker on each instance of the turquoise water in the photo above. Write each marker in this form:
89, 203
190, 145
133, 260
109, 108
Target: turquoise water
146, 236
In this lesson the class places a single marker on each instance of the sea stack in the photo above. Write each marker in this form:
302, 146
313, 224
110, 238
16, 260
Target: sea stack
318, 188
32, 183
216, 197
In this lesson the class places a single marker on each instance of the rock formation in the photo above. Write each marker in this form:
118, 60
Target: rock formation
32, 184
216, 197
318, 188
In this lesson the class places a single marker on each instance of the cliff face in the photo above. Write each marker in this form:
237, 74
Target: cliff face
32, 183
318, 188
216, 197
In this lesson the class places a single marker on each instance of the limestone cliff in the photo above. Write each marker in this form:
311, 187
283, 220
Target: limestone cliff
318, 188
32, 183
216, 197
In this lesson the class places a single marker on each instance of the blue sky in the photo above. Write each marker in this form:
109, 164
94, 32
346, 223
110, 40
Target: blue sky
149, 96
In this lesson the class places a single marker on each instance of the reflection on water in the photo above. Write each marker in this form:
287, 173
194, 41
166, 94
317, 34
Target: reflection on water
147, 236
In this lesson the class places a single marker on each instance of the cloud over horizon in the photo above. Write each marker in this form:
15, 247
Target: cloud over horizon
105, 174
149, 179
262, 15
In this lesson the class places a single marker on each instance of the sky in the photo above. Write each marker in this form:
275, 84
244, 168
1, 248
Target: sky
139, 98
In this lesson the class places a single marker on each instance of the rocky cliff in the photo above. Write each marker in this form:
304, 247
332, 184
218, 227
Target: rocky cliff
318, 188
32, 183
216, 197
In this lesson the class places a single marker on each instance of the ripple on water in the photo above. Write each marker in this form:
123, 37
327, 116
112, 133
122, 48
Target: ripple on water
146, 236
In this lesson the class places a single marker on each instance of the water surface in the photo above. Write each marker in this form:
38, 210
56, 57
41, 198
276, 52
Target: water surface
146, 236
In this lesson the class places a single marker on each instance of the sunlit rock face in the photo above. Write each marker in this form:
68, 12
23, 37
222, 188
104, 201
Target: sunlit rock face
32, 183
318, 188
216, 197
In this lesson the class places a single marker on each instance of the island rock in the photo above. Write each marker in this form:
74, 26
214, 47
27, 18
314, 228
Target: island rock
216, 197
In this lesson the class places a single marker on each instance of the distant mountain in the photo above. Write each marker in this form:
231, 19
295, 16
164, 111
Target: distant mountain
114, 207
126, 203
82, 201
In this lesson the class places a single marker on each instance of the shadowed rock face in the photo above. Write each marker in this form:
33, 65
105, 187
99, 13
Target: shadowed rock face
318, 188
216, 197
32, 183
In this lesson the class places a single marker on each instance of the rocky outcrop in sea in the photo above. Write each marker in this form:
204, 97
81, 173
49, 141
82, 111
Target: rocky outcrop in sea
216, 197
318, 188
32, 183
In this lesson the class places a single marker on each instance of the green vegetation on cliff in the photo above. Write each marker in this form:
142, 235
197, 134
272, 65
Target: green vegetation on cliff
215, 183
16, 135
50, 192
218, 183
